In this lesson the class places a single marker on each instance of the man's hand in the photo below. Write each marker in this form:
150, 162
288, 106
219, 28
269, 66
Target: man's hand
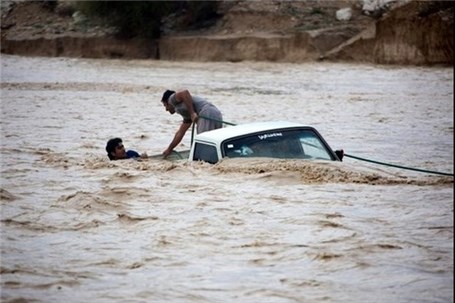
194, 117
166, 153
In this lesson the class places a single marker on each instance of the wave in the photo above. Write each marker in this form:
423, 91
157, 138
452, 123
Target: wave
310, 172
286, 170
279, 170
80, 86
6, 195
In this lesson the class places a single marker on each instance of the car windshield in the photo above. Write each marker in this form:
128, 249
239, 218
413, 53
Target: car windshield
283, 144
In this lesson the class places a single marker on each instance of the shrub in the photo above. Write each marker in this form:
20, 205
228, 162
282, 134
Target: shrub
143, 18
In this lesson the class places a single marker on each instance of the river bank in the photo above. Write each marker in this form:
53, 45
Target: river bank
410, 34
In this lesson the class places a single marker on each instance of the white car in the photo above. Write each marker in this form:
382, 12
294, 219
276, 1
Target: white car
284, 140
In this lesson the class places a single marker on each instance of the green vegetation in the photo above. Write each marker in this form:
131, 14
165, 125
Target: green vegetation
143, 18
317, 11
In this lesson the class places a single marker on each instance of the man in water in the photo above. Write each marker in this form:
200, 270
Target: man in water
116, 150
193, 109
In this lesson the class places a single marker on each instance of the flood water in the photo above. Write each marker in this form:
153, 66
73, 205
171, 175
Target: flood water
76, 227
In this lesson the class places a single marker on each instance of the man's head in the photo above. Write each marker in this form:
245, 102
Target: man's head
115, 149
166, 95
165, 100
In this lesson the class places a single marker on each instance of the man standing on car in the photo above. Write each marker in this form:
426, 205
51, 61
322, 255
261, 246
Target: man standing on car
193, 109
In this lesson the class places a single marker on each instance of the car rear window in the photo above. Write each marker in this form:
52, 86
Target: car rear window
283, 144
205, 152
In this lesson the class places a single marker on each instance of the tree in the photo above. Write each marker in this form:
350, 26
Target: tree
143, 18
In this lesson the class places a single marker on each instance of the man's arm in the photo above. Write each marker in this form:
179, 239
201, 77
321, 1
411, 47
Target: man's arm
185, 97
177, 138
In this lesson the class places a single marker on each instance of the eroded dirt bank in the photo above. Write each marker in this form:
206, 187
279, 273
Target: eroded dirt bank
407, 36
411, 34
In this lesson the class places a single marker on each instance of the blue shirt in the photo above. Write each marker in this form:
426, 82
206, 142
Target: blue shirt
131, 154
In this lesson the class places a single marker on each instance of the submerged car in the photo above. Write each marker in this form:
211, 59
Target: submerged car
282, 140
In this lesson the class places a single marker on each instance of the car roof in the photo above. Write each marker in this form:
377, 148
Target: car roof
221, 134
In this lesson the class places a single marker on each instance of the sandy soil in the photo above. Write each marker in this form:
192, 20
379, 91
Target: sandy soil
32, 19
409, 33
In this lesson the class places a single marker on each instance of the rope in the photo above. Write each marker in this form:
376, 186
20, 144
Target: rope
216, 120
349, 156
192, 134
178, 154
399, 166
211, 119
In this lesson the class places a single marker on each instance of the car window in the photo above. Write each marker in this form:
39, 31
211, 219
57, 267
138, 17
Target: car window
313, 146
205, 152
283, 144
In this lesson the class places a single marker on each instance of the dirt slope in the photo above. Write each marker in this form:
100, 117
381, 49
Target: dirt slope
287, 31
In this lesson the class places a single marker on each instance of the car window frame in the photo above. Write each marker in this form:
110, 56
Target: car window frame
326, 146
213, 152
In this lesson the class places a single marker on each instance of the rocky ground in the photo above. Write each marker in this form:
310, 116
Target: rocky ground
31, 19
248, 30
35, 19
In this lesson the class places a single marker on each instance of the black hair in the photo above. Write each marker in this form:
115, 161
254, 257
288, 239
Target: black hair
166, 95
111, 145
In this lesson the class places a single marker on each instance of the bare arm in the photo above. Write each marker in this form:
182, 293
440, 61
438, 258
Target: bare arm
177, 138
185, 97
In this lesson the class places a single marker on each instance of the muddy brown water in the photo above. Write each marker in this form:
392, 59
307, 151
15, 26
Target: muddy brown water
76, 227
